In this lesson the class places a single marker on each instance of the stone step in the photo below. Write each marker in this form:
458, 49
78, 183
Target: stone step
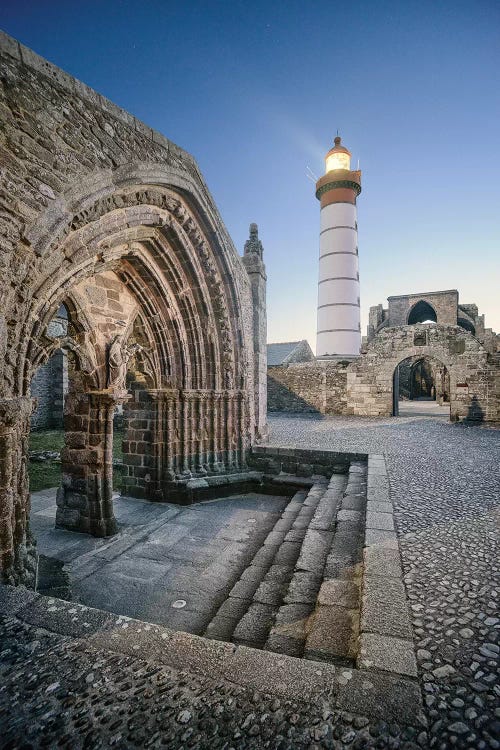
333, 628
289, 631
225, 620
253, 628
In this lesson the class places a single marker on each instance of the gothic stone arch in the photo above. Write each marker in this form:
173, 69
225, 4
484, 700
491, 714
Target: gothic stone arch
421, 312
104, 215
471, 370
433, 376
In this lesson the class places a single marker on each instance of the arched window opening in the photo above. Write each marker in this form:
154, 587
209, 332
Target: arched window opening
422, 312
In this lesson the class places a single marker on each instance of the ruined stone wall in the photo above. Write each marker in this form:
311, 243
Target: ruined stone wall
87, 191
365, 386
308, 387
473, 372
48, 388
444, 303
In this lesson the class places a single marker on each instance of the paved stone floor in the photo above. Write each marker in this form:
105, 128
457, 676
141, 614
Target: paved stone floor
169, 564
445, 485
423, 408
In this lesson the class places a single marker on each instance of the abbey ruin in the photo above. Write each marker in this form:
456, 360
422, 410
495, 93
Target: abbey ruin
425, 337
318, 577
109, 219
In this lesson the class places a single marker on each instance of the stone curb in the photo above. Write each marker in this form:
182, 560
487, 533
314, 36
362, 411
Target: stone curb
386, 641
380, 696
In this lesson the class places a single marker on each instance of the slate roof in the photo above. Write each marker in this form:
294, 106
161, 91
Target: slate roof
277, 353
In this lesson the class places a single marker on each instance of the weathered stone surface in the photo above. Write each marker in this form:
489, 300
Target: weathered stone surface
382, 561
365, 386
387, 654
338, 593
333, 634
162, 316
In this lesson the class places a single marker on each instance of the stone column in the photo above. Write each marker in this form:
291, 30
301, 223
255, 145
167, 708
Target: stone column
186, 431
85, 499
254, 264
163, 449
17, 546
216, 432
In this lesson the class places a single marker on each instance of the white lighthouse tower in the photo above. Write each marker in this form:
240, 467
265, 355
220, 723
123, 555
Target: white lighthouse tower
339, 326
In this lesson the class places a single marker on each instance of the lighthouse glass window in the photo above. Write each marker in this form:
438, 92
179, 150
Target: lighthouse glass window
338, 160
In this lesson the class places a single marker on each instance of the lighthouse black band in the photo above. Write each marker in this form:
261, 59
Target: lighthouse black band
338, 184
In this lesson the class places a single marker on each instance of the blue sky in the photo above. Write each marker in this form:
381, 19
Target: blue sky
256, 92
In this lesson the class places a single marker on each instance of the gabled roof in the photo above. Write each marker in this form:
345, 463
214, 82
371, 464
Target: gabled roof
279, 354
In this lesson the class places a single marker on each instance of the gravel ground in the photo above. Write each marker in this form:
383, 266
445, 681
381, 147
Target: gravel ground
445, 486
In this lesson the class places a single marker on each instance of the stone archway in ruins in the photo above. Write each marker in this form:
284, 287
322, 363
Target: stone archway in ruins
469, 369
152, 286
420, 377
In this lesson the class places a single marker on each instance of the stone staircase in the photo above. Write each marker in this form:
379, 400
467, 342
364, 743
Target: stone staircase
270, 571
304, 580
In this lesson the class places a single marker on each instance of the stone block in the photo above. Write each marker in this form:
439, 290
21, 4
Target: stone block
379, 696
303, 588
221, 628
384, 608
67, 618
278, 674
374, 506
375, 520
349, 515
339, 593
287, 553
12, 599
314, 550
333, 634
255, 625
285, 644
388, 654
343, 567
354, 502
289, 631
271, 592
390, 619
233, 609
382, 561
382, 538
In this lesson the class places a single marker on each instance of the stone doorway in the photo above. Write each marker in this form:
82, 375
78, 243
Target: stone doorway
421, 387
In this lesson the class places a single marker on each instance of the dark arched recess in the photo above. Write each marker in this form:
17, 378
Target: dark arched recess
422, 312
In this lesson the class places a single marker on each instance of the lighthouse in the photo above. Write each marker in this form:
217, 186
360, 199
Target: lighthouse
339, 325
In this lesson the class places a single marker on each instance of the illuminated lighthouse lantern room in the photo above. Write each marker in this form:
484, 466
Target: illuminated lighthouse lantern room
339, 326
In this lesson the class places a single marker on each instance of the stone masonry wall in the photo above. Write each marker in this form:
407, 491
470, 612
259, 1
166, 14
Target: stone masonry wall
308, 387
87, 191
48, 387
444, 303
473, 372
364, 387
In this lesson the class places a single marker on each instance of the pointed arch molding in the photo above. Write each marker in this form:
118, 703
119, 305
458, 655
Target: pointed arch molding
154, 237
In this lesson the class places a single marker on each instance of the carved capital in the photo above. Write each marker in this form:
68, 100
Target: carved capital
163, 394
108, 397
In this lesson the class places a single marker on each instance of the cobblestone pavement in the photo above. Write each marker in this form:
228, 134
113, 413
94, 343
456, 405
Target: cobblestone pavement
70, 689
445, 486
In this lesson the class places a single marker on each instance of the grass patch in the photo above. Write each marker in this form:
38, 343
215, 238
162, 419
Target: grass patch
46, 474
